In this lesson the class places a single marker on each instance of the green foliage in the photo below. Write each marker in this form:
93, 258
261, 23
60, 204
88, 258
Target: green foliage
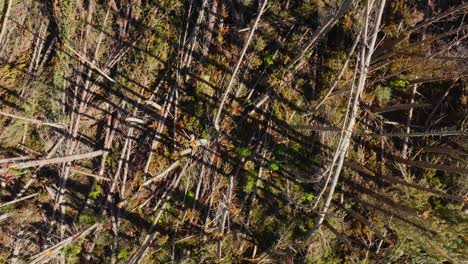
18, 172
274, 165
9, 136
87, 217
268, 59
122, 254
383, 94
280, 149
332, 259
205, 135
398, 83
296, 147
251, 178
96, 192
190, 195
260, 43
308, 198
7, 209
72, 250
191, 123
435, 181
243, 152
103, 239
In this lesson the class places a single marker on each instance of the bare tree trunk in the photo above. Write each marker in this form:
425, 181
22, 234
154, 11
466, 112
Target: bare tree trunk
423, 164
239, 62
32, 120
35, 163
211, 23
34, 175
366, 55
164, 200
400, 107
18, 200
6, 13
45, 255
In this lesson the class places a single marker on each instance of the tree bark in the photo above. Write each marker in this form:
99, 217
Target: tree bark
6, 13
35, 163
239, 62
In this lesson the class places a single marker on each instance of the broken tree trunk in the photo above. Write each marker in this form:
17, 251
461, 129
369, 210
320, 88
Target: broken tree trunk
239, 62
35, 163
6, 13
366, 56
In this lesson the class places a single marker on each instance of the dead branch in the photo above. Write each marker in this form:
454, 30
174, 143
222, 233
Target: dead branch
51, 252
400, 107
32, 120
89, 174
35, 163
15, 159
327, 26
34, 175
6, 14
427, 165
5, 216
342, 71
239, 62
366, 56
18, 200
163, 174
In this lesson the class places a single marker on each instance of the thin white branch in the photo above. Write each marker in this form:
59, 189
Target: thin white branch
163, 174
135, 120
15, 159
51, 252
346, 138
5, 19
153, 104
239, 62
18, 200
32, 120
35, 163
90, 175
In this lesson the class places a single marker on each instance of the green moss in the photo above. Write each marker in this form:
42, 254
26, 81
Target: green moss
308, 198
87, 218
332, 259
243, 152
103, 239
280, 149
6, 209
18, 172
190, 195
383, 94
72, 250
268, 59
251, 178
260, 43
96, 192
274, 165
122, 254
205, 135
296, 147
398, 83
